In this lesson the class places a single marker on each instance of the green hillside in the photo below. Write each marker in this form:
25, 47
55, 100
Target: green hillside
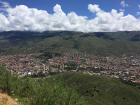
102, 90
101, 43
69, 89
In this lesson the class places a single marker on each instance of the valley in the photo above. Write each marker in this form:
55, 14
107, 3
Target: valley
70, 68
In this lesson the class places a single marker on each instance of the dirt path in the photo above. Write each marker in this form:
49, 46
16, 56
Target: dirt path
7, 100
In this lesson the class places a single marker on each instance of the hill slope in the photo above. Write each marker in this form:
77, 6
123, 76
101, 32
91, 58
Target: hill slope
69, 89
101, 90
102, 43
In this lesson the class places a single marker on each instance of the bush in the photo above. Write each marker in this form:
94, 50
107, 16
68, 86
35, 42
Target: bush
39, 91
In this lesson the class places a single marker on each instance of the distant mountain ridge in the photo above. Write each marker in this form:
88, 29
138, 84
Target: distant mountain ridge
106, 35
103, 43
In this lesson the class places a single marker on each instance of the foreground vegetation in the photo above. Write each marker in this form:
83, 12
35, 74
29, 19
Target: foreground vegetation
39, 91
69, 89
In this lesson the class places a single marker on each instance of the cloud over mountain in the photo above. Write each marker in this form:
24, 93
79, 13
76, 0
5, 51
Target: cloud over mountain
24, 18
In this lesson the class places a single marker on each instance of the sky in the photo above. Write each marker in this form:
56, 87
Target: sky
70, 15
78, 6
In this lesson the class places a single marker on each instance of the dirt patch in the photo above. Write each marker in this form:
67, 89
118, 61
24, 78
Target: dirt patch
7, 100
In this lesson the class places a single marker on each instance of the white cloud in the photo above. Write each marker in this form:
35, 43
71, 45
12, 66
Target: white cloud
24, 18
138, 13
139, 6
4, 5
123, 5
94, 8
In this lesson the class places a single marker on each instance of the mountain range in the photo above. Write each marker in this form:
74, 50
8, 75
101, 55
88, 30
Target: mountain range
98, 43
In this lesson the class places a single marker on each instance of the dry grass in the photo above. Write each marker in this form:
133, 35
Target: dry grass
7, 100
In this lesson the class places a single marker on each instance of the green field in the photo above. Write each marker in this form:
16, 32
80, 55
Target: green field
69, 89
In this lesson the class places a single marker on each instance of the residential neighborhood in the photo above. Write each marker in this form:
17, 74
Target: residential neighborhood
124, 67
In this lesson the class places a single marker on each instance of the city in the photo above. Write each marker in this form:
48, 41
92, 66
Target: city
124, 67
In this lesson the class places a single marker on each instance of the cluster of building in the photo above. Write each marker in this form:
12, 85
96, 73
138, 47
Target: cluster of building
124, 67
22, 65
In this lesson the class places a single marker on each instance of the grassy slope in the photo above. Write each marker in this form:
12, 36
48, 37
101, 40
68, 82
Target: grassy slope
39, 91
69, 89
102, 90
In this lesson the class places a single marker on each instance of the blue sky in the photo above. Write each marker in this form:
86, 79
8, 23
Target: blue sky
78, 6
70, 15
